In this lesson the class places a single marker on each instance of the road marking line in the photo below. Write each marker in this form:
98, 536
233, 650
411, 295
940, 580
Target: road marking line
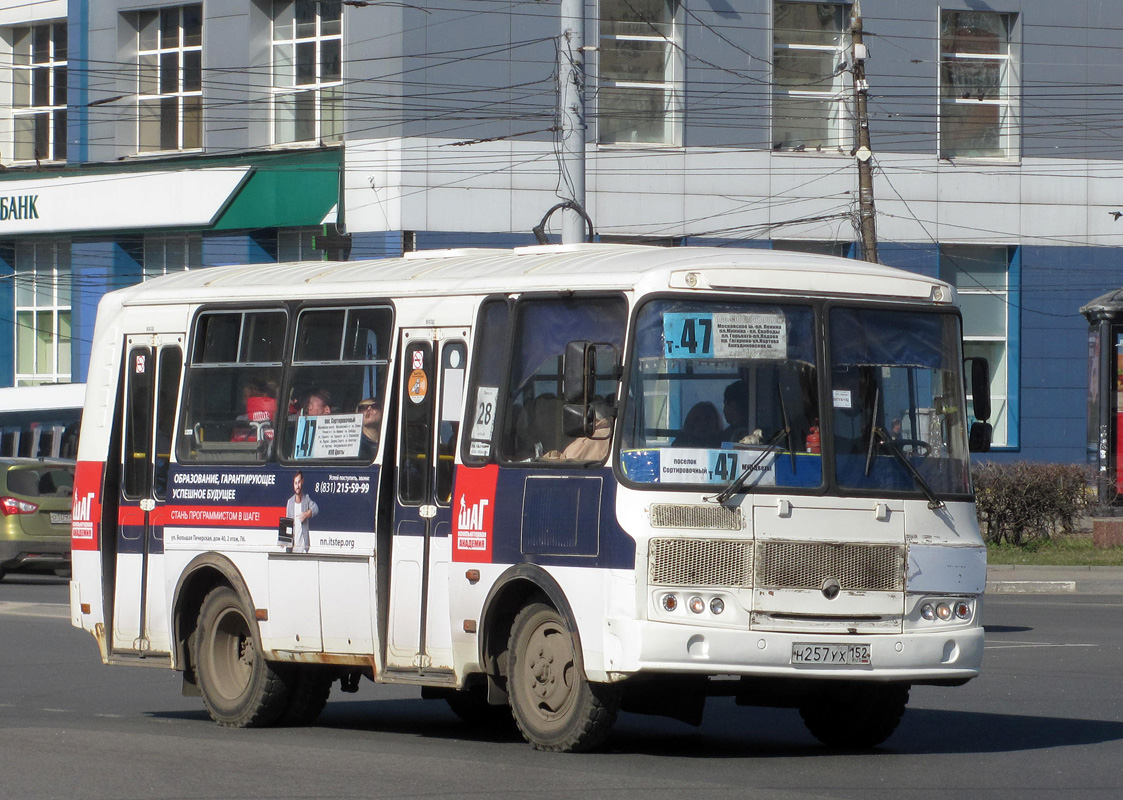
1016, 645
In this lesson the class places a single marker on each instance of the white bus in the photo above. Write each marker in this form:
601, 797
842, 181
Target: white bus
41, 421
563, 480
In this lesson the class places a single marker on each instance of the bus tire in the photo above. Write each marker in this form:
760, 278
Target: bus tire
240, 688
856, 716
311, 688
555, 706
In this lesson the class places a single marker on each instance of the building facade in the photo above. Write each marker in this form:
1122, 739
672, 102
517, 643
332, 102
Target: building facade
142, 137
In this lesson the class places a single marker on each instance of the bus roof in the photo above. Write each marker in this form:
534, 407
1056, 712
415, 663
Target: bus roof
545, 268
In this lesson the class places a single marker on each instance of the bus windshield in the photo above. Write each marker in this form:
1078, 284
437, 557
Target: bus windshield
720, 387
897, 397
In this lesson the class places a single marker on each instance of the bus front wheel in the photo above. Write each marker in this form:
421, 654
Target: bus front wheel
555, 706
240, 688
855, 716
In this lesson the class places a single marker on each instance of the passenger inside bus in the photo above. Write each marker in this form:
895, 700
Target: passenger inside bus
260, 396
588, 448
736, 410
318, 403
701, 427
372, 427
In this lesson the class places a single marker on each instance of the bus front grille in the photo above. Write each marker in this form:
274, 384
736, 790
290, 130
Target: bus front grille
723, 563
806, 565
700, 562
712, 517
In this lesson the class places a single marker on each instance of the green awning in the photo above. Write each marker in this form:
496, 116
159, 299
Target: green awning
295, 191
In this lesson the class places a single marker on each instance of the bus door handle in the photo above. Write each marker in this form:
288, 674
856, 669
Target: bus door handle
427, 511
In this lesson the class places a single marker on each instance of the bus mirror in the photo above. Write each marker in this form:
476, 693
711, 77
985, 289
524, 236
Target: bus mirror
978, 440
578, 420
980, 387
579, 372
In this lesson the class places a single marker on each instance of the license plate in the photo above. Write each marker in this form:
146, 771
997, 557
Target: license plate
60, 518
831, 655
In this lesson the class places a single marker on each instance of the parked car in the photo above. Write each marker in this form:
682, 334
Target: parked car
35, 514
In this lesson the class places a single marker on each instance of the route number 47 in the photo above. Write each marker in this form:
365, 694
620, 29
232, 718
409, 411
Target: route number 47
724, 467
689, 335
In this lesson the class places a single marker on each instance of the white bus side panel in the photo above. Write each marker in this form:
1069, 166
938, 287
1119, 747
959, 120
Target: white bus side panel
294, 602
347, 606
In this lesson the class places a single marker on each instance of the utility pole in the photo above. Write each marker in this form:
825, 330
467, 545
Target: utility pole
571, 115
863, 153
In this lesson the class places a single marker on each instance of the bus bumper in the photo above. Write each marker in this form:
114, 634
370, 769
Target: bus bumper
635, 647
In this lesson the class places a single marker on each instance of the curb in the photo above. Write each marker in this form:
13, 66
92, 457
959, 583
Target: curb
1039, 579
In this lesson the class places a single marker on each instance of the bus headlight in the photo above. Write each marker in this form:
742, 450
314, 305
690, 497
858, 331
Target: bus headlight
928, 611
717, 605
697, 604
943, 611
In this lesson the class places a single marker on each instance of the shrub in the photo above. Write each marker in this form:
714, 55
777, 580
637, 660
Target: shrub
1022, 502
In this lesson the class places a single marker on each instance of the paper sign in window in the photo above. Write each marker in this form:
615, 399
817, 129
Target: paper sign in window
330, 436
725, 335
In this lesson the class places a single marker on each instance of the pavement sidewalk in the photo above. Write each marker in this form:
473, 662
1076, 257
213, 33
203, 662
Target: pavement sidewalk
1019, 579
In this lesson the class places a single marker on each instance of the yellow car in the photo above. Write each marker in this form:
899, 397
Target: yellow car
35, 514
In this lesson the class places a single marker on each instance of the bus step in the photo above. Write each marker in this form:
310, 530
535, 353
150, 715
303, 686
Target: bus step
419, 677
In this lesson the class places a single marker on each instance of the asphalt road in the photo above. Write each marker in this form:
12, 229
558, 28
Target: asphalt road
1044, 721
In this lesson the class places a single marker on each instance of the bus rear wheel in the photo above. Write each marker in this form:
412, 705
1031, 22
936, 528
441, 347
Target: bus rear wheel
555, 706
311, 687
240, 688
855, 716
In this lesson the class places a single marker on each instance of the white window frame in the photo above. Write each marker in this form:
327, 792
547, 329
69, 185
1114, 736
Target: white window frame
43, 292
51, 72
671, 85
151, 68
838, 99
326, 95
186, 251
1008, 90
1000, 384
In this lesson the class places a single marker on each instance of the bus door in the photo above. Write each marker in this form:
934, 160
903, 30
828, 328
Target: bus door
431, 386
152, 368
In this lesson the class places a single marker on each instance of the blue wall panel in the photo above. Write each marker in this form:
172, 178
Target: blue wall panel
97, 267
7, 316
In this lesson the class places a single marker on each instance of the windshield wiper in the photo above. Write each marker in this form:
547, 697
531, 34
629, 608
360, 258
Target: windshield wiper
879, 434
739, 482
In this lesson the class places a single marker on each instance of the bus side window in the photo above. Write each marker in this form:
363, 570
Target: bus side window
339, 367
232, 379
542, 329
448, 424
490, 355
